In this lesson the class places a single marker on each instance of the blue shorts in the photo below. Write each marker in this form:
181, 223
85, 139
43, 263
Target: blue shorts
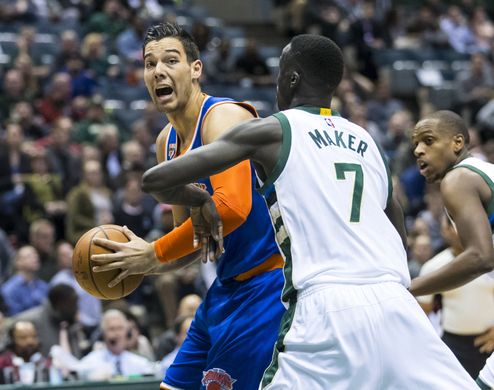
230, 342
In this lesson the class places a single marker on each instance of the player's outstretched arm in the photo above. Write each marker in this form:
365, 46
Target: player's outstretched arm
168, 180
460, 190
255, 139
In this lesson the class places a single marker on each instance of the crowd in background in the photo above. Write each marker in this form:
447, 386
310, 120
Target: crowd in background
77, 130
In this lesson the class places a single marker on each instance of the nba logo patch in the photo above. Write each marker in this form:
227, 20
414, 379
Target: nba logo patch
217, 379
172, 149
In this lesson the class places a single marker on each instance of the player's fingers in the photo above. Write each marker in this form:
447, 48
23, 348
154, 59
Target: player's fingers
480, 340
110, 266
121, 276
204, 248
106, 258
129, 233
108, 244
487, 347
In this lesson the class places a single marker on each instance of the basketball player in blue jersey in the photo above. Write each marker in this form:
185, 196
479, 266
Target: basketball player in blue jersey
350, 323
230, 341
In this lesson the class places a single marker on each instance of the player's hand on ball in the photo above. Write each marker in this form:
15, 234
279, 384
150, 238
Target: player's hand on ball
134, 257
208, 231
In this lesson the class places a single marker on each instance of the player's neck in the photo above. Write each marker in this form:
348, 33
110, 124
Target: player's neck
315, 101
184, 121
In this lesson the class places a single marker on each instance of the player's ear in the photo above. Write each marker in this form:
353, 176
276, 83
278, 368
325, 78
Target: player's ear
196, 69
294, 79
459, 143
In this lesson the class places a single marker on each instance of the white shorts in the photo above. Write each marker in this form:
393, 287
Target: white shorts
359, 337
486, 375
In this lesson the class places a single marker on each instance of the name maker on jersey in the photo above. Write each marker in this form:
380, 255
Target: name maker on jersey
339, 139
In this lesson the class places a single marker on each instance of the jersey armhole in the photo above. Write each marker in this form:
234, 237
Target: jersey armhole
284, 153
487, 179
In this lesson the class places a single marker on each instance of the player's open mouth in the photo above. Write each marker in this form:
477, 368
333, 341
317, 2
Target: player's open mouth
422, 166
164, 91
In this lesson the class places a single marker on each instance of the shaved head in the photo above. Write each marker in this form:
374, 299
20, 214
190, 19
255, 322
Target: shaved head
448, 121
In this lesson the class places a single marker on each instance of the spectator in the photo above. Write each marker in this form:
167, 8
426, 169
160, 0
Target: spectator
137, 342
142, 135
219, 64
14, 163
454, 25
251, 66
108, 142
56, 101
129, 41
56, 321
132, 210
64, 155
94, 52
88, 204
43, 196
113, 358
181, 327
83, 81
368, 34
467, 327
6, 255
24, 289
112, 20
69, 45
382, 106
91, 126
89, 306
421, 252
167, 341
42, 236
23, 347
13, 91
32, 125
475, 86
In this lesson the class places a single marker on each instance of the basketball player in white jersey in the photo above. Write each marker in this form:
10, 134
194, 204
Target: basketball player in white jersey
350, 323
440, 143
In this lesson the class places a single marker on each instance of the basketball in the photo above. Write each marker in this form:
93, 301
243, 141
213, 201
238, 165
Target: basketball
96, 283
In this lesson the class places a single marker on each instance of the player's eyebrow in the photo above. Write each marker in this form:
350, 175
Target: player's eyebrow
167, 51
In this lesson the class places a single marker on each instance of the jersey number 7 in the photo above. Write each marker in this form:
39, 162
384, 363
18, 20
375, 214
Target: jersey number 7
358, 186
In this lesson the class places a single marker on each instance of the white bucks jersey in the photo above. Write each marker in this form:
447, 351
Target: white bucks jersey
327, 196
486, 171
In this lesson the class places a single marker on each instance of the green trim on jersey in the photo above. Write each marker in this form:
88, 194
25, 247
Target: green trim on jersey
388, 172
286, 323
487, 179
284, 153
482, 384
289, 292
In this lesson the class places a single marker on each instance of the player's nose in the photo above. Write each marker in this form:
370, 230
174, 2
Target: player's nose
160, 70
418, 150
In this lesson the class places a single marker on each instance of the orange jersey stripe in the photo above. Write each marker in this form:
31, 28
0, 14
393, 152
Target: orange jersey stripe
233, 198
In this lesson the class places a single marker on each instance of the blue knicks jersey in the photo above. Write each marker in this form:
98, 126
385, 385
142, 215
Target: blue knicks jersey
252, 242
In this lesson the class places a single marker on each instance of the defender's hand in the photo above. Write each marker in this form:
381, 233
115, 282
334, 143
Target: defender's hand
208, 230
485, 342
133, 258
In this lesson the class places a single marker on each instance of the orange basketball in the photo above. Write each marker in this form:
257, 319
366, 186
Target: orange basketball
96, 283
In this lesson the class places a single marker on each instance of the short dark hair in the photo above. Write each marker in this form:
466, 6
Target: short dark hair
172, 30
451, 122
320, 58
59, 292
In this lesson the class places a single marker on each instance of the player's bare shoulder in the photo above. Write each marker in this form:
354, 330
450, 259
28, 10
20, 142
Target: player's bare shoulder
221, 118
462, 181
